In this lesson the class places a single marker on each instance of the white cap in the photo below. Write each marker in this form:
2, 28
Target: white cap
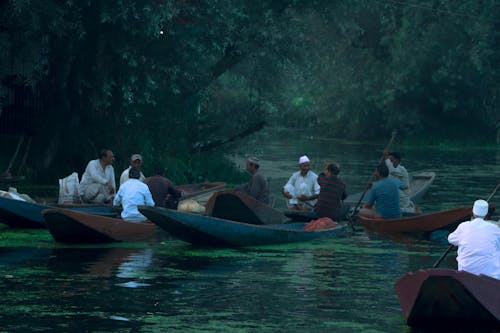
304, 159
136, 157
480, 208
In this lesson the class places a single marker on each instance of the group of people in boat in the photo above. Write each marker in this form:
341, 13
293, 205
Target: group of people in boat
98, 185
323, 194
478, 240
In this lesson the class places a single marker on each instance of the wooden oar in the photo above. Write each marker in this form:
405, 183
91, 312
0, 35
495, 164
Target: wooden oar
451, 245
349, 216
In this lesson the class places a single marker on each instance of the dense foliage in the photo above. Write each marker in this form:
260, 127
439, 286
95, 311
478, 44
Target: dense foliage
174, 79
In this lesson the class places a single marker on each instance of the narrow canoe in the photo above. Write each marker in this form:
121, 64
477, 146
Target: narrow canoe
69, 226
419, 185
445, 219
449, 298
23, 214
207, 230
237, 206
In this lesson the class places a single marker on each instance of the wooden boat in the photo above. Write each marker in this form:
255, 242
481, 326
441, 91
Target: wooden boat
449, 298
419, 185
69, 226
23, 214
238, 206
445, 219
207, 230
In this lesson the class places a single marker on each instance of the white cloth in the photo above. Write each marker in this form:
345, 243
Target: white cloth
130, 195
478, 244
124, 176
94, 176
399, 172
299, 185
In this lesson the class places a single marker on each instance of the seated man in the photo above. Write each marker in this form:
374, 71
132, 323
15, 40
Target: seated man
135, 162
165, 193
331, 194
302, 188
98, 183
131, 194
396, 170
257, 187
478, 243
384, 195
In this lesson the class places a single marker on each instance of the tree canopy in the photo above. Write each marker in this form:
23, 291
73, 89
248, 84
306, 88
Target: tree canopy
175, 79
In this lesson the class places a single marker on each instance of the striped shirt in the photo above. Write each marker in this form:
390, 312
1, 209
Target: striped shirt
331, 194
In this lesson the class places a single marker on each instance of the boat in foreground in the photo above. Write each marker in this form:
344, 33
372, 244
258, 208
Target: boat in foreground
69, 226
449, 298
445, 219
207, 230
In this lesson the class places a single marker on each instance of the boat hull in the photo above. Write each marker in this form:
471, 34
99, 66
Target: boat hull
206, 230
67, 226
449, 298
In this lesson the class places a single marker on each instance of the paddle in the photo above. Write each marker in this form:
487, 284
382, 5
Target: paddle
349, 216
451, 245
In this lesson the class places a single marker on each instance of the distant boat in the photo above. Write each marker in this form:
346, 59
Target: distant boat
447, 299
69, 226
419, 185
23, 214
206, 230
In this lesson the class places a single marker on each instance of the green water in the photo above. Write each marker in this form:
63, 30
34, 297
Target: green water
335, 285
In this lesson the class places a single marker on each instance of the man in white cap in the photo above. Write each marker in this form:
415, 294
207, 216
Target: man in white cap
478, 243
302, 189
135, 162
257, 187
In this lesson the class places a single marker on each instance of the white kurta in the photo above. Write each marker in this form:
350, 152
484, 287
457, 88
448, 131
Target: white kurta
400, 173
131, 194
478, 244
299, 185
94, 180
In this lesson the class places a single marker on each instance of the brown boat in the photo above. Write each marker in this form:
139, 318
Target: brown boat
445, 219
237, 206
68, 226
449, 298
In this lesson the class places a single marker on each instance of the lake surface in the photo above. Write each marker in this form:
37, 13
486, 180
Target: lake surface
344, 284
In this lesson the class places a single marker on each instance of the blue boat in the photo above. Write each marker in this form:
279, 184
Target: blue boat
205, 230
24, 214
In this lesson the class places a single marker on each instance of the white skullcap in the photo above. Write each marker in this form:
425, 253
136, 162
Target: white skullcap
304, 159
480, 208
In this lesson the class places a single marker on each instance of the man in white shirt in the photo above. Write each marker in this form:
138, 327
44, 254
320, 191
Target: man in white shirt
478, 243
135, 162
98, 183
396, 170
131, 194
302, 189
